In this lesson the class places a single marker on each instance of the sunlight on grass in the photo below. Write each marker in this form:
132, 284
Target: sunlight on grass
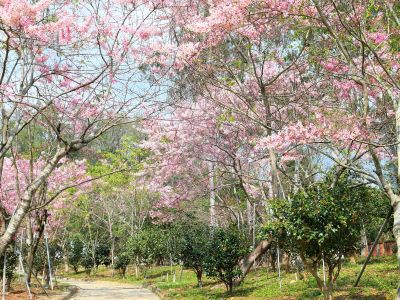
379, 282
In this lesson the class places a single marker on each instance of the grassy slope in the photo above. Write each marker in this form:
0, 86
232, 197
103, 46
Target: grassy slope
379, 282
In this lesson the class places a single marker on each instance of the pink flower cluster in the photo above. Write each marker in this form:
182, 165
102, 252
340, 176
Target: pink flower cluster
18, 175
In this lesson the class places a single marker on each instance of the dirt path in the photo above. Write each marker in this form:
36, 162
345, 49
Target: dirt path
104, 290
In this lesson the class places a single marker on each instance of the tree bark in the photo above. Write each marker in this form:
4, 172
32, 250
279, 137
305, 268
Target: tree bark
396, 226
247, 262
286, 258
34, 242
395, 199
211, 169
25, 202
199, 274
229, 286
328, 293
364, 240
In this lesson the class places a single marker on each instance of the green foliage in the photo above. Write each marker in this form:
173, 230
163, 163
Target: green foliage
129, 156
192, 246
225, 117
121, 262
225, 248
149, 245
102, 253
11, 262
40, 261
87, 261
325, 218
75, 253
375, 207
321, 222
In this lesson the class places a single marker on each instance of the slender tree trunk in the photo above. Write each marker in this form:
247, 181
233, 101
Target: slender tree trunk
137, 267
47, 276
328, 293
29, 243
33, 241
395, 199
327, 289
29, 266
112, 255
110, 230
66, 265
287, 258
211, 169
364, 241
199, 274
396, 225
273, 261
112, 252
229, 286
250, 224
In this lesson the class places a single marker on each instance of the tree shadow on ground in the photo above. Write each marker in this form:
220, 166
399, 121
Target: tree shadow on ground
342, 295
361, 297
237, 292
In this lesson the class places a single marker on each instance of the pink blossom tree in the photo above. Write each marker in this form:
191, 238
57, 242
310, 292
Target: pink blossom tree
317, 79
73, 70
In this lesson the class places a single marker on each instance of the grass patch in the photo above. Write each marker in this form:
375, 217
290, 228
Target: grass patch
380, 281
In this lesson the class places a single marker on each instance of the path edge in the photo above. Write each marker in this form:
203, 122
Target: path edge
154, 289
72, 290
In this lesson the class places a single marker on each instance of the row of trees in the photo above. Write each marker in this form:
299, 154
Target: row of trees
273, 97
115, 223
324, 222
70, 73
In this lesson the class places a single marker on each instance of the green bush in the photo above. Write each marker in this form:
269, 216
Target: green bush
75, 253
322, 222
87, 261
192, 246
121, 263
11, 262
225, 248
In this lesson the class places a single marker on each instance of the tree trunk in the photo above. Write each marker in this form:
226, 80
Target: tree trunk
287, 262
229, 286
396, 226
29, 242
395, 199
137, 267
213, 219
395, 202
247, 262
29, 266
66, 265
46, 275
364, 241
325, 287
33, 241
25, 202
112, 256
199, 274
8, 283
273, 261
328, 292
